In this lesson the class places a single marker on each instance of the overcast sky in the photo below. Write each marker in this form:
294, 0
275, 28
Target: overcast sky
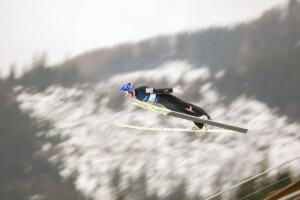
64, 28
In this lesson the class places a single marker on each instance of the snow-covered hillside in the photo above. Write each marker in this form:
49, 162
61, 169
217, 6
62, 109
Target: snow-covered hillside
207, 162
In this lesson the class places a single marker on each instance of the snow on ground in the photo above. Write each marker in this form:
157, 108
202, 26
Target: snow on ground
95, 147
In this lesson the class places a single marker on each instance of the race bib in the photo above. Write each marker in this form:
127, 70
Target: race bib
152, 98
149, 90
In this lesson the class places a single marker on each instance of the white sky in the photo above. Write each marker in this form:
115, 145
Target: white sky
64, 28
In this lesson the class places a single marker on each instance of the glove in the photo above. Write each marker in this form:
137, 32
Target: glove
177, 89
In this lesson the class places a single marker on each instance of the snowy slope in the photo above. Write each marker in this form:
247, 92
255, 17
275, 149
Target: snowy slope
207, 162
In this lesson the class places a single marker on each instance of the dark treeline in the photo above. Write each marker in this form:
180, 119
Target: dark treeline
258, 188
42, 76
214, 47
269, 65
272, 77
25, 173
263, 186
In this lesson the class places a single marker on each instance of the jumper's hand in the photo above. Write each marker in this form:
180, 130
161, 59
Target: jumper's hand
177, 89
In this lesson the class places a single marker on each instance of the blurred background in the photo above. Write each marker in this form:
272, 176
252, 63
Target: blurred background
62, 65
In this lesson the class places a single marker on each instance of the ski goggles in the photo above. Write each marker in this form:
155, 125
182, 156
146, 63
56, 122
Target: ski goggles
125, 93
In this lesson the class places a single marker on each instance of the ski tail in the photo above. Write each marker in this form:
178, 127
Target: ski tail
208, 122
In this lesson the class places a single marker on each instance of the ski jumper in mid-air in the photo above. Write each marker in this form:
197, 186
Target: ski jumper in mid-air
165, 98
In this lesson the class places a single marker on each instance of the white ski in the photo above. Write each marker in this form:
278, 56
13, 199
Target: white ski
171, 129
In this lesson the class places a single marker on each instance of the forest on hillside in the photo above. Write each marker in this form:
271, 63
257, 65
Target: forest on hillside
25, 170
27, 173
260, 59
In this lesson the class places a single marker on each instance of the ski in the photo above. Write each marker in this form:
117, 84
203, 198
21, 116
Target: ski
171, 129
168, 112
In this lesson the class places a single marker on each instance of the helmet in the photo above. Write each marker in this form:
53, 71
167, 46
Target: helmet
127, 87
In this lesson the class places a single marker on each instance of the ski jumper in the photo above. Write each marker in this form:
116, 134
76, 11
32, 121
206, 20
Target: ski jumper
163, 97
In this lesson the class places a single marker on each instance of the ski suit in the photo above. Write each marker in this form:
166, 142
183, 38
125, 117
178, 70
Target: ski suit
163, 97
